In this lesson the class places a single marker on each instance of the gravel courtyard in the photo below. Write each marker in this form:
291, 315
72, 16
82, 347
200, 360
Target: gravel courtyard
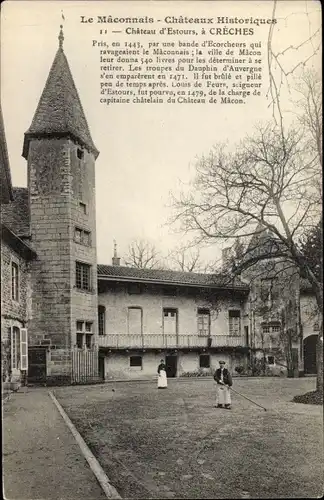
175, 444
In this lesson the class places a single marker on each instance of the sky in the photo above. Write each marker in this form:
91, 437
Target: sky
146, 151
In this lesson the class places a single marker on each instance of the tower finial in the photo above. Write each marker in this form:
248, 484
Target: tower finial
115, 248
61, 37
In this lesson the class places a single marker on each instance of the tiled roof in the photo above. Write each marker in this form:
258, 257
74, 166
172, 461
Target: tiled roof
59, 110
15, 215
168, 277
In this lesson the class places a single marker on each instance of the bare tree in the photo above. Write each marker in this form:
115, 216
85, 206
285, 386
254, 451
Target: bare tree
185, 259
310, 112
284, 63
143, 255
268, 182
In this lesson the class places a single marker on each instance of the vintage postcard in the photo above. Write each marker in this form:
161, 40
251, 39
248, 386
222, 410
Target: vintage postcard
161, 249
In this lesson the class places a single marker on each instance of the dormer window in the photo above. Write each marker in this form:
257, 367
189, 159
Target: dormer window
80, 154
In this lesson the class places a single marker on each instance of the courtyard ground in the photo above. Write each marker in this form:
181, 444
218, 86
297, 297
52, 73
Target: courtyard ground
41, 459
175, 444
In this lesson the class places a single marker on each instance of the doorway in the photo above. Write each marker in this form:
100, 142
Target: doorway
101, 367
36, 365
310, 354
171, 363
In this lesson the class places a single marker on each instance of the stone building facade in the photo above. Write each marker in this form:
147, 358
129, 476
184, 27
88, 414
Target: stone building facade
86, 322
60, 226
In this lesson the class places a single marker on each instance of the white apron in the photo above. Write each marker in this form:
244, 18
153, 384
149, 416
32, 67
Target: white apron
223, 395
162, 380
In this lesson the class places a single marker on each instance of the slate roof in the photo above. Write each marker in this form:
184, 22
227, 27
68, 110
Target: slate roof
16, 243
124, 273
15, 215
59, 110
5, 174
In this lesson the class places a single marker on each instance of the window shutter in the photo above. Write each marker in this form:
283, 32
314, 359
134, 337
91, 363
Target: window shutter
23, 349
10, 345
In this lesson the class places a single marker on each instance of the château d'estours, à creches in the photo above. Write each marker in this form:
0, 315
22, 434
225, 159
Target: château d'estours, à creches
65, 319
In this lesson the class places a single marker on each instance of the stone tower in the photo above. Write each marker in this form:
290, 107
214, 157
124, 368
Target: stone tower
61, 182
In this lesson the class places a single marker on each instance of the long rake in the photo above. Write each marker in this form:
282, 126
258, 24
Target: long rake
251, 400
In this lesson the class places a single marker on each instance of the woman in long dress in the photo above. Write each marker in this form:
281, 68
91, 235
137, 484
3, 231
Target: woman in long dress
162, 376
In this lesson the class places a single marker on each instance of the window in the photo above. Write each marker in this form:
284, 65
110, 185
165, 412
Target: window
246, 335
14, 281
82, 276
77, 235
88, 327
88, 340
83, 207
271, 360
134, 320
170, 321
84, 334
83, 237
234, 320
79, 340
135, 361
80, 153
101, 320
204, 361
270, 327
134, 289
170, 291
203, 322
269, 290
15, 352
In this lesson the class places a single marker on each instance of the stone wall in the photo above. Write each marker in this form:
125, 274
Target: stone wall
61, 199
14, 313
14, 310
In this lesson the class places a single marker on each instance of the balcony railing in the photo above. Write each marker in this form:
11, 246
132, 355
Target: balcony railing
165, 341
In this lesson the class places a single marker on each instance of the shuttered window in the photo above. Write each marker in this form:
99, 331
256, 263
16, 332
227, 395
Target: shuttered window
203, 322
234, 322
23, 349
135, 320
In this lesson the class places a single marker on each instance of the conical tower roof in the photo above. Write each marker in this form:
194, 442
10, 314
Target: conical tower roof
59, 111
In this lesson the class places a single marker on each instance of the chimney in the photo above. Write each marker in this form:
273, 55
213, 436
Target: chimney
115, 259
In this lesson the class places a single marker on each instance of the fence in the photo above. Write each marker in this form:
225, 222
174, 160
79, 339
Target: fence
85, 366
121, 341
